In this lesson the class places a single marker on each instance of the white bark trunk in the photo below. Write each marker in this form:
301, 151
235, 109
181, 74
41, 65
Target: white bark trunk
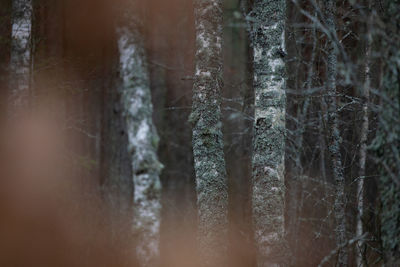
143, 142
269, 132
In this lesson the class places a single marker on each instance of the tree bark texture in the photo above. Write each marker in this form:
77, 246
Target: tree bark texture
142, 139
268, 187
211, 181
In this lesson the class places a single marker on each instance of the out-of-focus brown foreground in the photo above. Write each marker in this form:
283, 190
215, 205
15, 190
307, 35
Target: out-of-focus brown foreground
47, 218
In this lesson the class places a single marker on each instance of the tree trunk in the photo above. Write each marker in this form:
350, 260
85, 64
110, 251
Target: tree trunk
334, 134
363, 146
211, 181
142, 139
269, 132
20, 54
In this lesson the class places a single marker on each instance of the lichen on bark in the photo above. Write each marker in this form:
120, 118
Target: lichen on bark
211, 181
268, 187
142, 138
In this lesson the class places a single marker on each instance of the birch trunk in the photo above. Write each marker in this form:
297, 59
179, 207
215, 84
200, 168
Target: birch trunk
269, 132
363, 147
211, 181
20, 54
142, 140
334, 135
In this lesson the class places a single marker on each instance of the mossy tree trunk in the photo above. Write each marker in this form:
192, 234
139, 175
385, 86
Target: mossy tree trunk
137, 110
268, 39
211, 181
